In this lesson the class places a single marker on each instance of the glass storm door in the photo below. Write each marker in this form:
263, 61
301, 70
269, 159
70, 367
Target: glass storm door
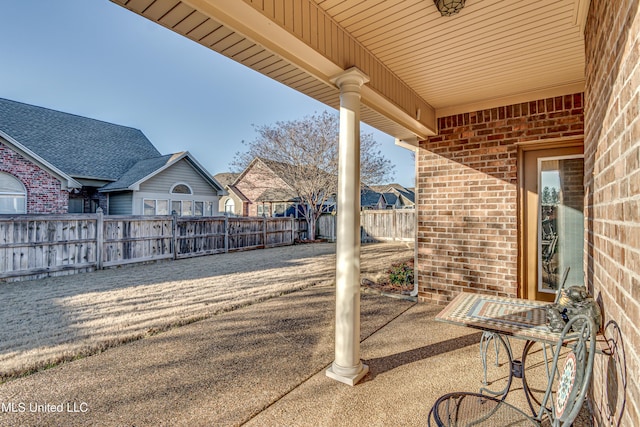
554, 221
560, 222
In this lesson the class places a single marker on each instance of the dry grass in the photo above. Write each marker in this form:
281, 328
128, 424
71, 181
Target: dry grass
49, 321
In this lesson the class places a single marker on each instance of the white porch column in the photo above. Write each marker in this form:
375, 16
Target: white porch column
347, 367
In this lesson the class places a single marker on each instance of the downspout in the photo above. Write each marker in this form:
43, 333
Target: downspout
414, 292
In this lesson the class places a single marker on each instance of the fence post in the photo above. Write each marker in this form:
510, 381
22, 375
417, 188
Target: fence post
334, 227
293, 233
226, 234
174, 232
264, 231
395, 224
99, 238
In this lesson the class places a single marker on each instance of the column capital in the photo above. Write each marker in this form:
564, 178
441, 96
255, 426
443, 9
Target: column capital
352, 76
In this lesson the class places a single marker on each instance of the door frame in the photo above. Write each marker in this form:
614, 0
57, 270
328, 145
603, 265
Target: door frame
524, 285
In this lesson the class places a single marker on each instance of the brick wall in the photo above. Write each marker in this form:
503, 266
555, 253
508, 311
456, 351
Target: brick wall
255, 181
467, 185
44, 192
612, 186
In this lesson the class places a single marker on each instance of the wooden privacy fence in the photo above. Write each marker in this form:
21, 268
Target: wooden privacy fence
33, 246
376, 225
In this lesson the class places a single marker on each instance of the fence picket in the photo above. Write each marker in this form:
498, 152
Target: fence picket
33, 246
375, 225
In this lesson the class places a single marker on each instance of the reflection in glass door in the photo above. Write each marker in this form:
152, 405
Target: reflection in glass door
561, 222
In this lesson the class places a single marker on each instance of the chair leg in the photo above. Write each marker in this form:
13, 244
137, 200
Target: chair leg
485, 342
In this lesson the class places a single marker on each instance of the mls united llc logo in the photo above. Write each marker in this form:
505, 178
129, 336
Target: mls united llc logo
35, 407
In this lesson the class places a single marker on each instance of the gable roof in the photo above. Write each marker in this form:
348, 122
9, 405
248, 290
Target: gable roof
78, 146
369, 197
390, 198
278, 168
393, 191
147, 168
226, 178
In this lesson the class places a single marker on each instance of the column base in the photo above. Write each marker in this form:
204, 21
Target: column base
349, 379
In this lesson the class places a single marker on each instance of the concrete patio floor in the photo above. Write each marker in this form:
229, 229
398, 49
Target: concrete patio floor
261, 365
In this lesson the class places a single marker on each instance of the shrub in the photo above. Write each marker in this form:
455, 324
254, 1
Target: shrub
401, 273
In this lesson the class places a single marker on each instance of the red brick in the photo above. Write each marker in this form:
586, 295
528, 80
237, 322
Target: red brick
44, 191
471, 240
611, 50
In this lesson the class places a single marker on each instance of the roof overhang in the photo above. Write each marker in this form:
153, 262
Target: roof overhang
175, 158
421, 65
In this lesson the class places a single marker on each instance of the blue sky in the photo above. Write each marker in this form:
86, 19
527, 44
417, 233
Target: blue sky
96, 59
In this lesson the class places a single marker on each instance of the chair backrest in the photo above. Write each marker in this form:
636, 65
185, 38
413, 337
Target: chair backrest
570, 372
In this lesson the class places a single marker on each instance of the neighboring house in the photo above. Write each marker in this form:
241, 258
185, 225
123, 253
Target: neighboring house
234, 203
396, 196
371, 199
266, 189
55, 162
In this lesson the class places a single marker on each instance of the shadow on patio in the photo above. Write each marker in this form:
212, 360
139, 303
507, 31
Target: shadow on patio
260, 365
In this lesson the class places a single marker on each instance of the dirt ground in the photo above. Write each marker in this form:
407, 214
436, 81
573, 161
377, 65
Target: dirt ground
51, 320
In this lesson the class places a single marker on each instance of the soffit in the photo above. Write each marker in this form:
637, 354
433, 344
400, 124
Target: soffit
420, 63
491, 50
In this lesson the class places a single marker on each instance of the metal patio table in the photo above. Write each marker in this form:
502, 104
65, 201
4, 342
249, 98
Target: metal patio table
500, 318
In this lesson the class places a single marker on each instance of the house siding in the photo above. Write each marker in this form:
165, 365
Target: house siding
238, 205
44, 192
159, 187
120, 203
468, 195
612, 187
181, 172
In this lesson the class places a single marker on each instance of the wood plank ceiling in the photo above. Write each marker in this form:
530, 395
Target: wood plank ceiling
421, 64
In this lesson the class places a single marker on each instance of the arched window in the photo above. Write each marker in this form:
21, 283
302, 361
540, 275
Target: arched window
181, 189
13, 195
229, 206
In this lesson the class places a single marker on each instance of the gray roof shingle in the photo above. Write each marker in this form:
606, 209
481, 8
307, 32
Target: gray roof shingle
137, 172
226, 178
78, 146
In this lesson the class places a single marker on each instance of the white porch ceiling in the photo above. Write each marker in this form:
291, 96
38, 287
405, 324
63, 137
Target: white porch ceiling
422, 65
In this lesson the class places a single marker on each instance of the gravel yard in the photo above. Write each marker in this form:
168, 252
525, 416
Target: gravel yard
55, 319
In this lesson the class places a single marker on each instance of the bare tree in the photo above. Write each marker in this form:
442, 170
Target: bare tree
305, 153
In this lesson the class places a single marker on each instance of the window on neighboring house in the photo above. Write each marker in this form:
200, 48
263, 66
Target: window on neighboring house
229, 206
13, 195
278, 209
263, 210
187, 208
149, 207
76, 205
198, 208
162, 207
181, 189
156, 207
176, 207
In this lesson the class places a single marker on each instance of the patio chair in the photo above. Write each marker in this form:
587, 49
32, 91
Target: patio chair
563, 398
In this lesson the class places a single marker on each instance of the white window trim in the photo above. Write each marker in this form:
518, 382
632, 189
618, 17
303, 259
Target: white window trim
16, 194
181, 183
